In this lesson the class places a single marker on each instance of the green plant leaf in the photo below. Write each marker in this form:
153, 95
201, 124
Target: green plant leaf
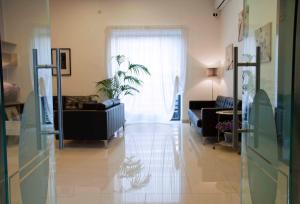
106, 86
129, 88
121, 73
124, 81
128, 93
133, 80
120, 59
136, 68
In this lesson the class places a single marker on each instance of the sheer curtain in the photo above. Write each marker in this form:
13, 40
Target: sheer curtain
163, 52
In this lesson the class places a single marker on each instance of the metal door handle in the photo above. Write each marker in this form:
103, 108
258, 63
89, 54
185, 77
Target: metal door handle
55, 132
244, 130
36, 68
237, 64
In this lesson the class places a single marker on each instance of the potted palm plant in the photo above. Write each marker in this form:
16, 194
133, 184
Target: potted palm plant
124, 82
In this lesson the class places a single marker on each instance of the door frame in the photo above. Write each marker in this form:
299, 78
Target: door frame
2, 130
295, 141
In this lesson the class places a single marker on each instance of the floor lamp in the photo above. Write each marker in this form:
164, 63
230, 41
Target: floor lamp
211, 73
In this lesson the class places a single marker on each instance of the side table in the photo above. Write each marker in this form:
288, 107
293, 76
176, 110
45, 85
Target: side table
224, 143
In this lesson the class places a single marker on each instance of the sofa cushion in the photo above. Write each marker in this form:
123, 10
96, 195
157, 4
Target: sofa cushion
228, 103
77, 102
224, 102
220, 101
73, 102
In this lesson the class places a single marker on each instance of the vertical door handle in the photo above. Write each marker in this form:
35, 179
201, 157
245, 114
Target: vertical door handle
36, 68
237, 64
59, 100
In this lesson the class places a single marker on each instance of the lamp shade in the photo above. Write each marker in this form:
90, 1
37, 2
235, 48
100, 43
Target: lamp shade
212, 72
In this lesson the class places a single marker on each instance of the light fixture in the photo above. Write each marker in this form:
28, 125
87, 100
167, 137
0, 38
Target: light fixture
212, 72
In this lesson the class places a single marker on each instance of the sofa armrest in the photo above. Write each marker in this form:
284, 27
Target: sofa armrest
209, 114
198, 105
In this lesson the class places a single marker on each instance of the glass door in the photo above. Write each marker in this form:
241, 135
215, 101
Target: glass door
295, 155
267, 109
3, 164
3, 157
26, 42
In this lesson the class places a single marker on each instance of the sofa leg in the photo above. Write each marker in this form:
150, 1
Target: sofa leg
106, 143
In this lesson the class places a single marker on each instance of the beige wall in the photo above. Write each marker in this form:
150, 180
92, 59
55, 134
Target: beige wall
80, 25
258, 18
261, 13
229, 17
28, 30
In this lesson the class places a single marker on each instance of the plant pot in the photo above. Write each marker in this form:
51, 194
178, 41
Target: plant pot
228, 137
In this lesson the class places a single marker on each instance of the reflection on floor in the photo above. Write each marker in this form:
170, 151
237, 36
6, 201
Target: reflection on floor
149, 163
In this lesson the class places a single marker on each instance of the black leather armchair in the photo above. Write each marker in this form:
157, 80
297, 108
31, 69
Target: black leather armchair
202, 114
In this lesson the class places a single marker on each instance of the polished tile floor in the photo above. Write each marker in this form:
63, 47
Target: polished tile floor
148, 163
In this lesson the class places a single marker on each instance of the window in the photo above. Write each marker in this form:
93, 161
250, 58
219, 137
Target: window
163, 52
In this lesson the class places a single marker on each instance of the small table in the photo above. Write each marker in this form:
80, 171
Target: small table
228, 113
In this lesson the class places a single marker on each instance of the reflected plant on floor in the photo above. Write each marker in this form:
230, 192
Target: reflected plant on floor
124, 81
132, 169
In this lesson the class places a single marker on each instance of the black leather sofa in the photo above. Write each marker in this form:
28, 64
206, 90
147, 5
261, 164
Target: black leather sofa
85, 119
202, 114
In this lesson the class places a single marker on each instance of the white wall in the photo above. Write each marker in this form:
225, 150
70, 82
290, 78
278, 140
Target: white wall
229, 18
80, 25
261, 13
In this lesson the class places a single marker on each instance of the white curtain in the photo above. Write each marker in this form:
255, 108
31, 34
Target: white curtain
163, 52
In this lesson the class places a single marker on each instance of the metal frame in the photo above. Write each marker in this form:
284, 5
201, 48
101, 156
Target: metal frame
294, 183
59, 100
3, 133
36, 68
237, 65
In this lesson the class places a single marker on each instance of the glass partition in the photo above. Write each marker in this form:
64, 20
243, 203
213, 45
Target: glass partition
295, 159
267, 113
3, 164
28, 101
